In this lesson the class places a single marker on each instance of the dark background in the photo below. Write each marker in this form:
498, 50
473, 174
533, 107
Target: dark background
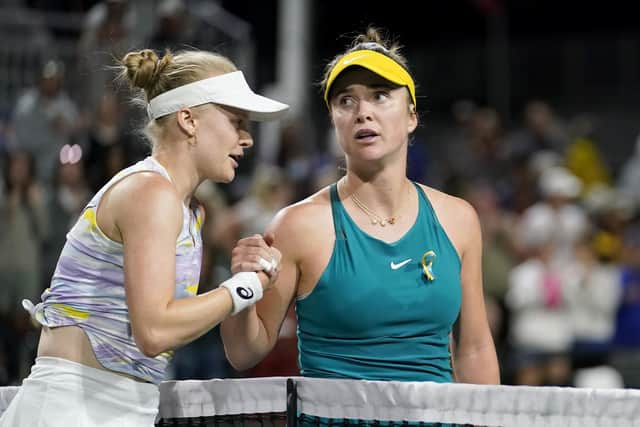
580, 56
440, 23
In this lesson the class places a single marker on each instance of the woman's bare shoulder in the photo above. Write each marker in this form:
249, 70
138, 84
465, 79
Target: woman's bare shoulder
134, 203
305, 218
457, 217
447, 205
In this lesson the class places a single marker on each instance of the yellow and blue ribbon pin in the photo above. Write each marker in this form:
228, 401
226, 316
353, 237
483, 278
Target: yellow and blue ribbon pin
427, 264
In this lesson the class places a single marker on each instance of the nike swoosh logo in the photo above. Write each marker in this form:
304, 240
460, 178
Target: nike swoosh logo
395, 266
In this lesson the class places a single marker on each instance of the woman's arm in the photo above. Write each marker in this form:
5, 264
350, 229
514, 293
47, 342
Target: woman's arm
249, 336
146, 213
475, 356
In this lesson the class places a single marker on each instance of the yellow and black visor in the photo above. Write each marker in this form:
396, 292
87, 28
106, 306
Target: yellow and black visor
375, 62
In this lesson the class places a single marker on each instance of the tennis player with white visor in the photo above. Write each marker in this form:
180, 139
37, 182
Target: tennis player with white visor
124, 292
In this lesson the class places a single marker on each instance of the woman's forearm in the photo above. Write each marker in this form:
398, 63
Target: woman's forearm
182, 321
478, 365
246, 341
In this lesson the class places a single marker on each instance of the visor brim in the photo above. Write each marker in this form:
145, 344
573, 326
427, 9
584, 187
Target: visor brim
259, 108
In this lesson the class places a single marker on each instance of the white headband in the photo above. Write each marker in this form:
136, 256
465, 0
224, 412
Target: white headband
229, 89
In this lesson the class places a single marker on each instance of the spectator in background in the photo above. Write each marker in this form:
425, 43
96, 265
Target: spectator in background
593, 294
3, 159
610, 211
109, 148
540, 330
65, 202
295, 158
626, 357
543, 130
629, 178
180, 24
24, 226
108, 31
173, 28
453, 147
559, 189
23, 229
45, 119
270, 191
584, 158
476, 151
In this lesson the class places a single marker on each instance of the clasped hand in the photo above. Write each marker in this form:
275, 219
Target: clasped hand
255, 253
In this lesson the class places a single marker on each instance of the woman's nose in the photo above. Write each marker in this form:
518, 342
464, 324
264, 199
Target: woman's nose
245, 139
364, 111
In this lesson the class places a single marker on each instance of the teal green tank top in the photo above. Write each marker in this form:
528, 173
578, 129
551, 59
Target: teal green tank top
380, 311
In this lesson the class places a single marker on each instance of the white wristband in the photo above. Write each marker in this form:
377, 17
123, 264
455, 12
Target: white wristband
245, 289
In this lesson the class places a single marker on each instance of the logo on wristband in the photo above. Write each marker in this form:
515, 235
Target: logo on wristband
244, 293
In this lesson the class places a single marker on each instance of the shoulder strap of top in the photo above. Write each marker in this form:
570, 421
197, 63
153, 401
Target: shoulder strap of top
336, 212
424, 199
148, 164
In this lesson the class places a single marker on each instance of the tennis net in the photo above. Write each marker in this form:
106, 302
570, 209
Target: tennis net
296, 401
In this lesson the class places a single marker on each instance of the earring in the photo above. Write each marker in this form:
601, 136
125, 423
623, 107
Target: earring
192, 141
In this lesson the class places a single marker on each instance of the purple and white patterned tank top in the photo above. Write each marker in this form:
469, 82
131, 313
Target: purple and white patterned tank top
87, 288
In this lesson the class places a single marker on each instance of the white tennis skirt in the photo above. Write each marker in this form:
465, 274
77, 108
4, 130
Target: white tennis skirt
59, 392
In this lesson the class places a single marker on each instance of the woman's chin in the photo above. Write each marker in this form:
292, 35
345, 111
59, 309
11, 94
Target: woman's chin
223, 177
228, 177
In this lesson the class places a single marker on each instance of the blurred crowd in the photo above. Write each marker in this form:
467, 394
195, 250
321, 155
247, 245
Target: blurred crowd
561, 225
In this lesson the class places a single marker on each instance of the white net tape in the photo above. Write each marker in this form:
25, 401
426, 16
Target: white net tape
469, 403
398, 401
187, 399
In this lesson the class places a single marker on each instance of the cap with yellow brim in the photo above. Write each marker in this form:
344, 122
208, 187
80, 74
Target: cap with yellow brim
376, 62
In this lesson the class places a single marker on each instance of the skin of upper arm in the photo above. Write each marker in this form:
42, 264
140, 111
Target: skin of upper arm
148, 215
474, 327
289, 228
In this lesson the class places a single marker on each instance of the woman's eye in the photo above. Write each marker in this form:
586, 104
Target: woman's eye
239, 124
381, 94
346, 101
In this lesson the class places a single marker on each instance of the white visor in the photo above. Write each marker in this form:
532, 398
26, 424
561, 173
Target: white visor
229, 90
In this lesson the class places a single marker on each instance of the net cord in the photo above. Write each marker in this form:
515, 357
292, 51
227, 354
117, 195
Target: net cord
487, 405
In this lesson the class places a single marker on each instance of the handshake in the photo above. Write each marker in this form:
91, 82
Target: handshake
252, 256
256, 253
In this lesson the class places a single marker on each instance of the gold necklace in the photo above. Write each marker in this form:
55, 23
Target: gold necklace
373, 217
